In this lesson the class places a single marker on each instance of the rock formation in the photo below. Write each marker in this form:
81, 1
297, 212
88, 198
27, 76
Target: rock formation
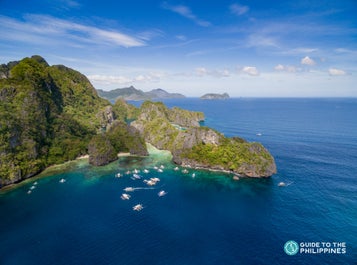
179, 131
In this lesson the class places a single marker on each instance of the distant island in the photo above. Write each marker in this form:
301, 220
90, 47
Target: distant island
52, 114
215, 96
131, 93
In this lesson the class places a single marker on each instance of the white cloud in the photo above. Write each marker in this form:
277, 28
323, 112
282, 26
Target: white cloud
202, 71
223, 73
187, 13
307, 61
110, 79
286, 68
250, 70
279, 67
124, 80
301, 50
150, 34
336, 72
259, 40
238, 9
39, 28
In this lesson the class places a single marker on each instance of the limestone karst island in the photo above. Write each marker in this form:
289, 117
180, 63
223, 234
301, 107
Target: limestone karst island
52, 114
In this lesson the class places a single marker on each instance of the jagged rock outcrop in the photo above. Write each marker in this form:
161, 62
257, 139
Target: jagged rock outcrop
119, 137
178, 131
101, 151
106, 117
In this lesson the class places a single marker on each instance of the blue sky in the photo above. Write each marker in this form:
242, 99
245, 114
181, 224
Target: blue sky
246, 48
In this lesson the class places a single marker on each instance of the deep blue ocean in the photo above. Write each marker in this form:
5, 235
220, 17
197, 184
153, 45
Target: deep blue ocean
209, 218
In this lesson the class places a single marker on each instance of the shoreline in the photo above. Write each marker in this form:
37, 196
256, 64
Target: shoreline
45, 173
152, 150
214, 170
57, 168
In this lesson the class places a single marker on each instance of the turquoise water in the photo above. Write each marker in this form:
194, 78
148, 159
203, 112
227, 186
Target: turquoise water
209, 218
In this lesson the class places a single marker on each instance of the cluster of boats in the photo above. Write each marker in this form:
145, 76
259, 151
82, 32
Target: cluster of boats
136, 172
135, 175
32, 187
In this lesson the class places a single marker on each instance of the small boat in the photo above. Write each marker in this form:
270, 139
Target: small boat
185, 171
35, 183
136, 176
128, 189
281, 184
176, 168
32, 187
193, 175
162, 193
62, 181
235, 178
29, 191
118, 175
125, 196
162, 167
146, 171
136, 171
259, 134
156, 168
138, 207
128, 172
150, 182
160, 170
155, 179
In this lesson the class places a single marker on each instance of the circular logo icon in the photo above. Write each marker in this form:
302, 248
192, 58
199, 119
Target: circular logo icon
291, 247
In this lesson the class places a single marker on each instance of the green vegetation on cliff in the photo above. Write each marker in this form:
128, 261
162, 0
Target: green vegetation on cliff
52, 114
124, 111
160, 125
49, 114
232, 154
199, 146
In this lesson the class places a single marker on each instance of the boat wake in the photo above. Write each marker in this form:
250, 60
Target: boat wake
129, 189
285, 184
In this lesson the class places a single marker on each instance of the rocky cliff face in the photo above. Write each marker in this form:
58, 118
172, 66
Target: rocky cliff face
178, 131
49, 114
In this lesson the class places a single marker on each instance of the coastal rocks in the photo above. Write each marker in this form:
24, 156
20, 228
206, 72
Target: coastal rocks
201, 147
101, 151
185, 118
165, 128
120, 137
231, 155
106, 117
150, 111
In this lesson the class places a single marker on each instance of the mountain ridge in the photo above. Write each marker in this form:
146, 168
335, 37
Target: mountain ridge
131, 93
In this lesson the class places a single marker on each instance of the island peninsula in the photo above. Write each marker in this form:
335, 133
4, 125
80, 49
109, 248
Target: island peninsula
52, 114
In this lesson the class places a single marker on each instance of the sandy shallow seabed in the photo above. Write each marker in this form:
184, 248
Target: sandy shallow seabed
80, 161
